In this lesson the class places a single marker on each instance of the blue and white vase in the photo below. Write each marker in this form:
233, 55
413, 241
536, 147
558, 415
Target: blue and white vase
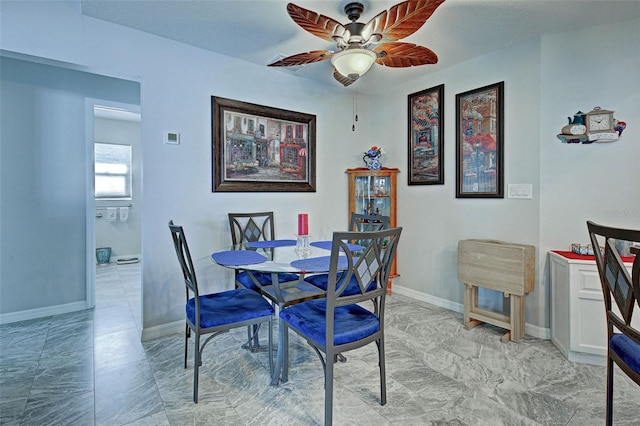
372, 163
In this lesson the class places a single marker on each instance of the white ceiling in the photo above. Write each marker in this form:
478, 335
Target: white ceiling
259, 30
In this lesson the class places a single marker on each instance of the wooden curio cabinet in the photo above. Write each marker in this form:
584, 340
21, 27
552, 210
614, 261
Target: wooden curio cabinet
374, 192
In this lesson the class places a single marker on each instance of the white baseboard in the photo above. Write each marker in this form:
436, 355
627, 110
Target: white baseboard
42, 312
424, 297
537, 331
530, 329
163, 330
178, 326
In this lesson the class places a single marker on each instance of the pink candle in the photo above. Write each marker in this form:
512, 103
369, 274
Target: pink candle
303, 224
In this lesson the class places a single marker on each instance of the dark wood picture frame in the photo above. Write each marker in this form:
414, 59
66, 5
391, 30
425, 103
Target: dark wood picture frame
257, 148
479, 142
426, 137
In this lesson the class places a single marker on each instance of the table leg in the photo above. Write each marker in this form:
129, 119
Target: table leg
279, 357
282, 357
517, 317
281, 371
470, 304
285, 353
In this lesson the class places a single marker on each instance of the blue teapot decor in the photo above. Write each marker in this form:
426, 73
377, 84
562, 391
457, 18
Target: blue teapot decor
578, 118
371, 158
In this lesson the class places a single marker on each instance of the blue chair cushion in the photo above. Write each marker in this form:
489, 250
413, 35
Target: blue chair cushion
321, 281
263, 278
627, 349
228, 307
351, 322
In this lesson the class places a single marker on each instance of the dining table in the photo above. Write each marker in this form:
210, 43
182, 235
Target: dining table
298, 256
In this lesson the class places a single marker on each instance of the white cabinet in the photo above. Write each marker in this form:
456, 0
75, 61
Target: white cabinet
578, 323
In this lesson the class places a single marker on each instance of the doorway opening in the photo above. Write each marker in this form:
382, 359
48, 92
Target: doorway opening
114, 208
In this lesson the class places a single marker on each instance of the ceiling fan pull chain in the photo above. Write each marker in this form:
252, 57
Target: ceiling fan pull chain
356, 98
355, 111
355, 114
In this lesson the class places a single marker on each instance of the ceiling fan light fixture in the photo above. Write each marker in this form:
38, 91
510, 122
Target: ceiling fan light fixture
353, 62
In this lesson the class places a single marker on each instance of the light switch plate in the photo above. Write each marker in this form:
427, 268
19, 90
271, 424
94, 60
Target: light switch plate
520, 190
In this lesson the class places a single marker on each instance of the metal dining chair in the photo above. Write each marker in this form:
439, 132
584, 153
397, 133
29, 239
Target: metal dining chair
357, 223
366, 222
340, 322
252, 227
623, 340
215, 313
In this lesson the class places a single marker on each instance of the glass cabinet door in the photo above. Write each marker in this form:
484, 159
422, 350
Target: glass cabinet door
372, 195
373, 192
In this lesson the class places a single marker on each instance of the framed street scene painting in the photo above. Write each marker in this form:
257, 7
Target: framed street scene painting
257, 148
426, 153
479, 142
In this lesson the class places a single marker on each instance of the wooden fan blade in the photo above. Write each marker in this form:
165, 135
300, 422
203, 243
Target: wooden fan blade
318, 25
401, 20
400, 55
345, 81
303, 58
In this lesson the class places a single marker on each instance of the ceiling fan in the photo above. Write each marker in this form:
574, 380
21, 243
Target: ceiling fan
359, 45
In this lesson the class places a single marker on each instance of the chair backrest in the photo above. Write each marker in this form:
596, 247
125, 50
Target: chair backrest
184, 258
616, 282
364, 222
250, 227
370, 265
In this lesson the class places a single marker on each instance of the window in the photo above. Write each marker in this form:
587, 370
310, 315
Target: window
112, 171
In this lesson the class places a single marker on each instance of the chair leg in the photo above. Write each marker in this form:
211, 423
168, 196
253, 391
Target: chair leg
285, 354
328, 392
383, 371
186, 343
196, 367
609, 409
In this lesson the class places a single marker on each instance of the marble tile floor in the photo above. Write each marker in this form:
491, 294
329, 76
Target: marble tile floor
90, 368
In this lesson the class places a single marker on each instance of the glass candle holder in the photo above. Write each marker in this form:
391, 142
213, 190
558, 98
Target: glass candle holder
303, 248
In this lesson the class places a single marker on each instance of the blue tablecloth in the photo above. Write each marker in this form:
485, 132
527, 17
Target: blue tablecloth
321, 263
237, 257
271, 243
327, 245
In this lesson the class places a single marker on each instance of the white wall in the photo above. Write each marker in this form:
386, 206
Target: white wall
600, 181
435, 218
545, 81
177, 83
43, 179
